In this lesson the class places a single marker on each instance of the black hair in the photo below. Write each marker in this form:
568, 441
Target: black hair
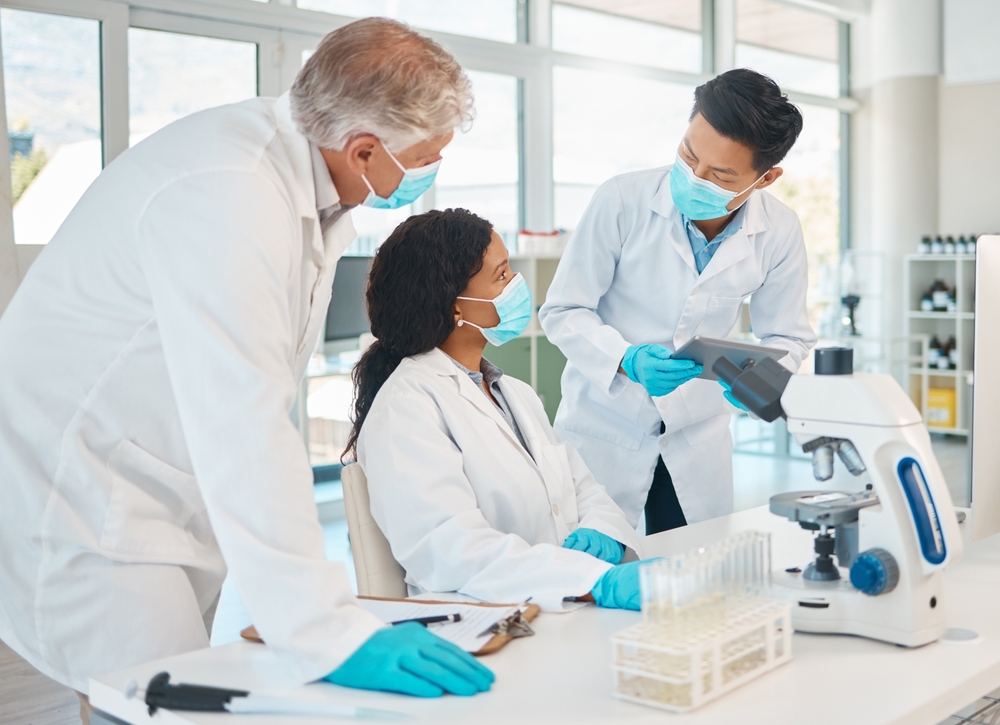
749, 108
417, 274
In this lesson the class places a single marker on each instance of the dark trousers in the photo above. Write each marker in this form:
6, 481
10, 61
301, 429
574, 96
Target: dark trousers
663, 510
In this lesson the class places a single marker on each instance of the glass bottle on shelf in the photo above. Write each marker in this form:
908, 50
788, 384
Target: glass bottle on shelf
961, 246
944, 356
925, 245
927, 302
952, 301
937, 246
940, 295
933, 352
949, 245
952, 353
971, 244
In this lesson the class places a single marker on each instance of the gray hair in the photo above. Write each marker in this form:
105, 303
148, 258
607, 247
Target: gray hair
377, 76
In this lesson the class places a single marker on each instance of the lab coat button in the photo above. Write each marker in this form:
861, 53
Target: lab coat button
555, 509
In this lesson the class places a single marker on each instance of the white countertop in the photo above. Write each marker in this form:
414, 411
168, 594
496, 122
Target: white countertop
562, 675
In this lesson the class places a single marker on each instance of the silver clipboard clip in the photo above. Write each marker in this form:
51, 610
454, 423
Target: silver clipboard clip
514, 626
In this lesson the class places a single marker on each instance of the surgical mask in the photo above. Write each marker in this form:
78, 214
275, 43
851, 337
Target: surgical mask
698, 198
514, 308
411, 187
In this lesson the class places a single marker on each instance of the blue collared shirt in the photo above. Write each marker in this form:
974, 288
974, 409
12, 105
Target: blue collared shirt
703, 249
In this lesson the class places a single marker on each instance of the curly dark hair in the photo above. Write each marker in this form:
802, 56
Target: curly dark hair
748, 107
416, 275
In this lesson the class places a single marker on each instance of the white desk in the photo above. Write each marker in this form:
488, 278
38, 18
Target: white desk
562, 675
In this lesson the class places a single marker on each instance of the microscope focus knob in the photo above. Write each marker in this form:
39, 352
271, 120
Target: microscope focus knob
875, 572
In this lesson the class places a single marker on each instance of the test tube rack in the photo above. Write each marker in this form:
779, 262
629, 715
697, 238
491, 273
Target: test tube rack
680, 671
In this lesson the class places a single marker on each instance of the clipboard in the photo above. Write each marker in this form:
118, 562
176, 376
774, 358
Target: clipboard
495, 643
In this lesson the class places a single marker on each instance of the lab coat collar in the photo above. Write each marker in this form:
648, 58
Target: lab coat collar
440, 363
300, 156
326, 193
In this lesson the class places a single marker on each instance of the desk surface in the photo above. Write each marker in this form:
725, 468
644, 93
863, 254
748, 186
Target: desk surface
562, 675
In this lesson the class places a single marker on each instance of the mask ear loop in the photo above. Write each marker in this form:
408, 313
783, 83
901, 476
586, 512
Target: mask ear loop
748, 189
394, 160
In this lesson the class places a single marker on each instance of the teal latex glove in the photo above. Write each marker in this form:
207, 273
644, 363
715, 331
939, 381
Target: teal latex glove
619, 587
652, 367
595, 543
728, 395
409, 659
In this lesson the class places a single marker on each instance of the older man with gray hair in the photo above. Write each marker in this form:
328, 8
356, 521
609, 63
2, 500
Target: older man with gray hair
150, 360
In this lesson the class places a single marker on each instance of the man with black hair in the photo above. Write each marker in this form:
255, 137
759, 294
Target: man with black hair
660, 256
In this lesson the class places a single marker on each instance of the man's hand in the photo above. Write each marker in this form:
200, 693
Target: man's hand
652, 367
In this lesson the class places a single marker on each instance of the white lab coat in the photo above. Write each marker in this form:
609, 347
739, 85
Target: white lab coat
464, 506
628, 277
148, 366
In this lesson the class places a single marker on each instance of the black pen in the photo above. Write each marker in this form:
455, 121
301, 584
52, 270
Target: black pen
431, 620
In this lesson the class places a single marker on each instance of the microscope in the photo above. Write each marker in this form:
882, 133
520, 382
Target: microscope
880, 553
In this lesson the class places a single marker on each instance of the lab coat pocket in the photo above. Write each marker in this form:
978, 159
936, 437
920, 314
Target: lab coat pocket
721, 315
151, 505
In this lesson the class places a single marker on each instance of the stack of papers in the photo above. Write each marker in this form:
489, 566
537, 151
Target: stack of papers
464, 634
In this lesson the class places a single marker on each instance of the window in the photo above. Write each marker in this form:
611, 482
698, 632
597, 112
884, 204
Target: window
490, 19
607, 124
480, 168
52, 77
173, 75
799, 49
665, 34
811, 187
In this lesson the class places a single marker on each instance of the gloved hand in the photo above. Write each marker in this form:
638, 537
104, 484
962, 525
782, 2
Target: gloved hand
728, 395
619, 587
595, 543
652, 367
409, 659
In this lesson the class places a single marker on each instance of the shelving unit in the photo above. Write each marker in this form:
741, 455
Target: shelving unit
959, 272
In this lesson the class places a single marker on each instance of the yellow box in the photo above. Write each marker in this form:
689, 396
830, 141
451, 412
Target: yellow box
941, 408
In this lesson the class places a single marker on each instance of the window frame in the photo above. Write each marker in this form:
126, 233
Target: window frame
282, 31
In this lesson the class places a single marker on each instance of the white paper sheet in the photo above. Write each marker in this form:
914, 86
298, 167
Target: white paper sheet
464, 634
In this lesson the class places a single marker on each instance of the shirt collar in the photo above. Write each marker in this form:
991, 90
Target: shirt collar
487, 371
327, 197
734, 225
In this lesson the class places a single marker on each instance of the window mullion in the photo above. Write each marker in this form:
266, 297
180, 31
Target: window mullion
114, 82
724, 35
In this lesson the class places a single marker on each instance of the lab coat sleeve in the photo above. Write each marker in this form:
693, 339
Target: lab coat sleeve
425, 505
585, 273
595, 508
219, 275
778, 308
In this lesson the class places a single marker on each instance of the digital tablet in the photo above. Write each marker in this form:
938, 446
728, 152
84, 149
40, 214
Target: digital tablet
706, 350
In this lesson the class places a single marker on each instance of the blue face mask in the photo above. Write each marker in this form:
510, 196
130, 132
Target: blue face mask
698, 198
514, 308
411, 187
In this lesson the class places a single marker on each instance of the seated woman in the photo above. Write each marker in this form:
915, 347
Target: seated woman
467, 479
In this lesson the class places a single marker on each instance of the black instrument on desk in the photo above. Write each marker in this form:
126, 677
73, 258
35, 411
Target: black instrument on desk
160, 693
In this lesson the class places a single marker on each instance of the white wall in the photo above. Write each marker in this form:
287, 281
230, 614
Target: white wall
972, 54
969, 148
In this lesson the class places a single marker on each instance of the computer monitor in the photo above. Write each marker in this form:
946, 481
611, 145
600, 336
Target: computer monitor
347, 316
985, 434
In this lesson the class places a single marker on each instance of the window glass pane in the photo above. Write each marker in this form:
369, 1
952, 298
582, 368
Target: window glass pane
480, 168
616, 34
796, 47
811, 187
492, 19
172, 75
607, 124
52, 67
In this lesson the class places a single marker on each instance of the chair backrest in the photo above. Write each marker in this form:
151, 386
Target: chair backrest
379, 574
